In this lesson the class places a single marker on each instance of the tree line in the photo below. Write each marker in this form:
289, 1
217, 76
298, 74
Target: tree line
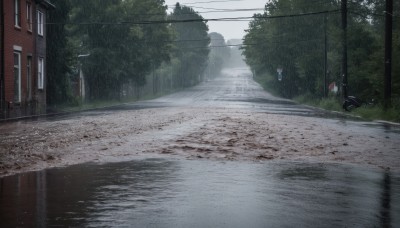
121, 45
304, 40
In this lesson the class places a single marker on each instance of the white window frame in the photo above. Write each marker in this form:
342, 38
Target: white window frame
41, 73
40, 23
17, 94
29, 76
29, 16
17, 13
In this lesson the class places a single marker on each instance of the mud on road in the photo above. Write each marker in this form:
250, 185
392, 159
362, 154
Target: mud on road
193, 133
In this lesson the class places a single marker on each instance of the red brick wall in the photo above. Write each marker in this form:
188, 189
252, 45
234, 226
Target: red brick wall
2, 105
28, 41
41, 53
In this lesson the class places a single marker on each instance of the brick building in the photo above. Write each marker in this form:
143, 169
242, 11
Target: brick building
23, 57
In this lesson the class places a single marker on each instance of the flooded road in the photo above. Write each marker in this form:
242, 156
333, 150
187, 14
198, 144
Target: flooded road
227, 118
235, 88
189, 193
224, 153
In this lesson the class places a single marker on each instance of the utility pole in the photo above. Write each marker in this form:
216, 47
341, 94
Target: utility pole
344, 48
388, 54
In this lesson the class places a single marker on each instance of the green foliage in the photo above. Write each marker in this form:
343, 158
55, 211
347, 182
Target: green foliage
119, 57
368, 112
192, 43
59, 55
219, 55
120, 51
266, 80
330, 103
296, 44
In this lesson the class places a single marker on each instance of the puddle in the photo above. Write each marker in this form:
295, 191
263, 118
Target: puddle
182, 193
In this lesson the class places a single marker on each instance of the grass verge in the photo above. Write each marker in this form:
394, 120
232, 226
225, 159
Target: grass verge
77, 106
370, 112
378, 113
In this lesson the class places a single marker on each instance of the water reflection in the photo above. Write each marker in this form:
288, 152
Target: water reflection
315, 172
23, 200
168, 193
341, 196
83, 195
385, 215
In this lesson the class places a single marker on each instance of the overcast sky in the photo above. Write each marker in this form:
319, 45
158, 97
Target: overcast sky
229, 29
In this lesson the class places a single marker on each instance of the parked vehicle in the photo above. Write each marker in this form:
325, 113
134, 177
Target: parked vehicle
351, 103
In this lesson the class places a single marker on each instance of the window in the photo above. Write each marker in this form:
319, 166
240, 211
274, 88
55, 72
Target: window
29, 77
17, 14
29, 16
40, 22
17, 77
41, 73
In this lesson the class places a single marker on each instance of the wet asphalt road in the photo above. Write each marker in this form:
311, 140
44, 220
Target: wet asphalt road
182, 193
235, 88
167, 192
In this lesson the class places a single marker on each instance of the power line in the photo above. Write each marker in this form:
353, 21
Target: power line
253, 44
211, 10
363, 14
309, 4
208, 8
220, 10
198, 20
230, 11
214, 1
215, 10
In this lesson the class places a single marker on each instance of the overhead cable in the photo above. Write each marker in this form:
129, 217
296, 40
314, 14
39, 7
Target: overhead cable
169, 21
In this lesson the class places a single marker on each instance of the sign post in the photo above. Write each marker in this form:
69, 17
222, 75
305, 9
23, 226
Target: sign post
279, 70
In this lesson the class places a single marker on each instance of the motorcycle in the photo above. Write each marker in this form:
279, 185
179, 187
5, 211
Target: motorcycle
351, 102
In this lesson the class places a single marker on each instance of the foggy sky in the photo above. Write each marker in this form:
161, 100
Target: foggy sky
230, 30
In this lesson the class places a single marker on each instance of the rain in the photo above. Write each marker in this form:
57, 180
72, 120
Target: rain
200, 113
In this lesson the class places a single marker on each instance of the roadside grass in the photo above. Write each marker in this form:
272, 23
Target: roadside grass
330, 103
265, 82
372, 112
378, 113
76, 105
333, 103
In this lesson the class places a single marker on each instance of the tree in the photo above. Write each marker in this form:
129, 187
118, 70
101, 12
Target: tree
120, 48
192, 43
59, 54
219, 54
294, 41
236, 58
